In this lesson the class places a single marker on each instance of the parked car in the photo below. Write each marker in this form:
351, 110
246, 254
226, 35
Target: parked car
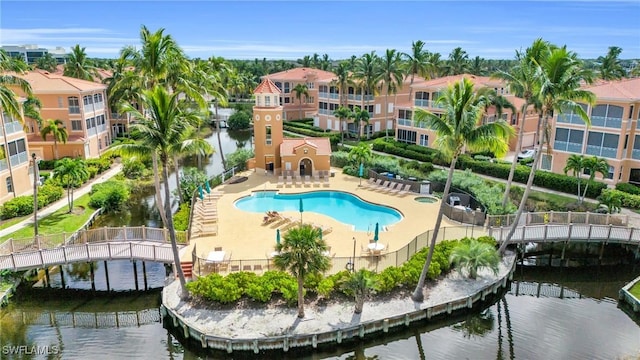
526, 154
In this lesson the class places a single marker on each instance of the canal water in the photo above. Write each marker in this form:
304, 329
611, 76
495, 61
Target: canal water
549, 313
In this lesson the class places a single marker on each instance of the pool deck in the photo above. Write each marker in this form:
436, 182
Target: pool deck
242, 235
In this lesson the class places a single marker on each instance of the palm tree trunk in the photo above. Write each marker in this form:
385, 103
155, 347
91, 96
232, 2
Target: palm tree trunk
300, 297
584, 193
514, 163
69, 196
386, 113
527, 191
410, 84
71, 205
172, 233
219, 141
55, 149
418, 294
158, 195
359, 303
178, 187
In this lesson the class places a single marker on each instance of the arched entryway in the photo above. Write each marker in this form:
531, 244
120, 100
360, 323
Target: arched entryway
306, 167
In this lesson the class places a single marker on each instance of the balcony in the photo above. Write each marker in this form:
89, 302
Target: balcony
602, 151
102, 128
323, 95
605, 121
567, 146
334, 96
420, 102
19, 158
3, 165
12, 127
570, 119
405, 122
635, 154
74, 109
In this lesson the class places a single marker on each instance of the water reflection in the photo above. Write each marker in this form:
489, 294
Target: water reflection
476, 324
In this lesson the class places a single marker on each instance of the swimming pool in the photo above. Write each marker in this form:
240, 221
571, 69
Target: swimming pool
343, 207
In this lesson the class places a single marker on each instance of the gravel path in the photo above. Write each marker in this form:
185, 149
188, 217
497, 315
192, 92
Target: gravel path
255, 323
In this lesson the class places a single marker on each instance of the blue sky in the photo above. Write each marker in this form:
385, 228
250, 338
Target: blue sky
292, 29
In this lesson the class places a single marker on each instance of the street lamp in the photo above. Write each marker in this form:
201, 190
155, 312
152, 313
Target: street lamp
353, 262
35, 195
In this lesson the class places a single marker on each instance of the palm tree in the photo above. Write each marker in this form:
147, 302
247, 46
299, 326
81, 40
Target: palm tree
458, 62
477, 66
594, 165
342, 81
301, 90
79, 66
71, 172
59, 132
560, 75
435, 65
8, 99
305, 61
522, 82
360, 284
359, 116
612, 200
342, 113
163, 130
360, 154
391, 76
610, 67
473, 255
367, 73
218, 69
416, 63
301, 253
47, 63
458, 128
575, 164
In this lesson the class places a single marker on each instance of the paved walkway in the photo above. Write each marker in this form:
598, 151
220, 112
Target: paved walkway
51, 208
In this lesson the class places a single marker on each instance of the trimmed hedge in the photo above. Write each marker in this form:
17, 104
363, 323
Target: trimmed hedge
334, 138
23, 205
628, 188
628, 200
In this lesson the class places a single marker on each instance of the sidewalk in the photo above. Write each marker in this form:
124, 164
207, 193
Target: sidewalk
51, 208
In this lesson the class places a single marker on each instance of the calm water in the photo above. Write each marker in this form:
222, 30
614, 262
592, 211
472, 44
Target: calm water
343, 207
529, 322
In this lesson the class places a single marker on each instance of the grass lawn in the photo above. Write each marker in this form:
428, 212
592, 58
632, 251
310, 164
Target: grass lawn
60, 221
635, 290
10, 222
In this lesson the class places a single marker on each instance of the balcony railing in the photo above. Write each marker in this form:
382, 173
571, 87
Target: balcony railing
102, 128
74, 109
567, 146
605, 121
359, 97
12, 127
420, 102
3, 165
570, 119
19, 158
602, 151
635, 154
334, 96
405, 122
323, 95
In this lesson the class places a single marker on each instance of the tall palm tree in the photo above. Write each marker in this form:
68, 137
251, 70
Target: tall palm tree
416, 62
164, 129
594, 165
8, 99
575, 164
456, 129
301, 91
218, 70
610, 66
342, 113
458, 62
71, 172
359, 116
58, 131
474, 255
342, 81
79, 66
522, 82
391, 76
477, 66
367, 74
47, 63
435, 67
301, 253
560, 76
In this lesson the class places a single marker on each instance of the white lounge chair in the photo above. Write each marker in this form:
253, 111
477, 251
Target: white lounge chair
374, 185
307, 180
289, 181
316, 180
383, 186
280, 181
405, 190
392, 187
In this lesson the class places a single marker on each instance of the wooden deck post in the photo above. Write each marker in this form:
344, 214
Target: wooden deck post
124, 231
93, 277
62, 276
144, 233
135, 273
106, 275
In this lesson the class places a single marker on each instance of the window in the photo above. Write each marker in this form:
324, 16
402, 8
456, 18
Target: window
610, 173
287, 100
323, 88
60, 103
635, 152
279, 85
310, 100
407, 136
630, 111
310, 85
547, 160
74, 105
602, 144
607, 115
378, 109
99, 144
422, 98
267, 101
76, 125
287, 88
88, 100
10, 184
424, 140
568, 140
390, 108
268, 134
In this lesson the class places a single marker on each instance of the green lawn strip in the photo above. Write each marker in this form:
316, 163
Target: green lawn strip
58, 222
635, 290
10, 222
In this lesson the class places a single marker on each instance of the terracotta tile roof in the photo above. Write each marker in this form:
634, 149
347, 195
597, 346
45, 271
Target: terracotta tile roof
267, 87
301, 74
322, 145
45, 82
625, 89
443, 82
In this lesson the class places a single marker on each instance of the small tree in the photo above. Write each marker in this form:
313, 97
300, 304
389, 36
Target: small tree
71, 172
575, 164
594, 165
190, 178
301, 252
360, 284
472, 255
239, 120
58, 131
301, 91
612, 200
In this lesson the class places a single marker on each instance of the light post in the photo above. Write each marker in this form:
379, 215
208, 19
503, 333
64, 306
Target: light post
353, 262
35, 195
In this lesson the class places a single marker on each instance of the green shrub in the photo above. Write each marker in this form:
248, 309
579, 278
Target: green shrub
49, 193
389, 279
289, 290
326, 287
312, 280
181, 218
47, 164
92, 171
102, 164
239, 159
111, 195
18, 206
628, 200
133, 168
260, 292
239, 120
340, 159
628, 188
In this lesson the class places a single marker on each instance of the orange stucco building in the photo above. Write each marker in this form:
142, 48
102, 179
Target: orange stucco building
81, 106
275, 154
15, 159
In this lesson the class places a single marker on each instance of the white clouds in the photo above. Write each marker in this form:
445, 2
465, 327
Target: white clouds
19, 36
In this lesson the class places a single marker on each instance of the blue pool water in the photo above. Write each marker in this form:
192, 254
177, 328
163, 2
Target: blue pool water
343, 207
